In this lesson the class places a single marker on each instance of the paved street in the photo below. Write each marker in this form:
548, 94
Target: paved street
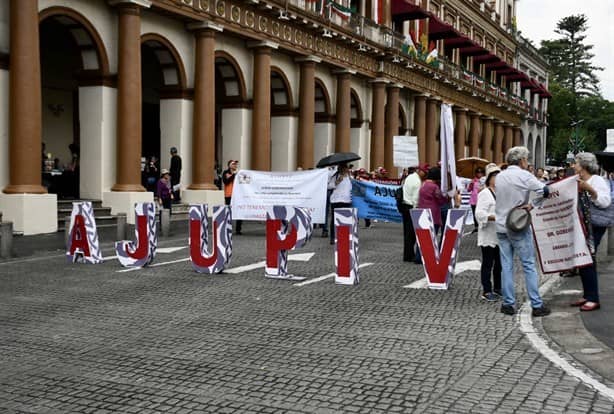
90, 338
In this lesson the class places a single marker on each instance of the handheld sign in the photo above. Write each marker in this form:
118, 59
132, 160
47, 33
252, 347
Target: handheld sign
83, 243
208, 258
141, 253
287, 228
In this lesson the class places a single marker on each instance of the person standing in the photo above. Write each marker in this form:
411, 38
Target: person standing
487, 236
228, 178
175, 174
341, 196
163, 190
411, 190
515, 184
474, 188
595, 198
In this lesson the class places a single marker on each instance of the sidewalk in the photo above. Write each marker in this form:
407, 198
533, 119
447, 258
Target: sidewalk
588, 337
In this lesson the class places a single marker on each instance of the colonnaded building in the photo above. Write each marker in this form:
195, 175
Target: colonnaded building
276, 84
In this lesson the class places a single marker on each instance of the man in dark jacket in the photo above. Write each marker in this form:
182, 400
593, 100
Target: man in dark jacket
175, 173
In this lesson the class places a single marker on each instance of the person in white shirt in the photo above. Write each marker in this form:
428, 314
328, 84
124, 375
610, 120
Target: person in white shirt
411, 189
487, 236
341, 196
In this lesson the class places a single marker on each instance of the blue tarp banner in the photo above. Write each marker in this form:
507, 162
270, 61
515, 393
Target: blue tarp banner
375, 201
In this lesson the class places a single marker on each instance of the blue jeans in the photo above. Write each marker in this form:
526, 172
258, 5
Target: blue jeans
520, 243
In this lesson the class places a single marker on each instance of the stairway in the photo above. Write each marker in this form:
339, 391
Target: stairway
181, 212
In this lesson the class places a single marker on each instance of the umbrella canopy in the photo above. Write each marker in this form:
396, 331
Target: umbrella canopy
606, 160
465, 167
337, 158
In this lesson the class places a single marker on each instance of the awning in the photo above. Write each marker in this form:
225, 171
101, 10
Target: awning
441, 30
407, 11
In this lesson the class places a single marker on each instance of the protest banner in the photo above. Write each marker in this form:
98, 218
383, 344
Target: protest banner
210, 257
346, 249
375, 201
439, 263
405, 151
558, 230
83, 243
256, 191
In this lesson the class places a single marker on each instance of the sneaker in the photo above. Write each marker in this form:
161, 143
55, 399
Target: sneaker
489, 297
543, 311
497, 292
508, 309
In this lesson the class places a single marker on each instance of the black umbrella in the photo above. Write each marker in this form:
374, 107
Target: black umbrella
337, 158
606, 160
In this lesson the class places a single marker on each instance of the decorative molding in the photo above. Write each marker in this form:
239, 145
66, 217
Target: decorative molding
206, 25
310, 58
262, 44
96, 78
170, 92
140, 3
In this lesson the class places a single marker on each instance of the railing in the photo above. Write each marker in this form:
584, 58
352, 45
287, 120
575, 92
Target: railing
332, 13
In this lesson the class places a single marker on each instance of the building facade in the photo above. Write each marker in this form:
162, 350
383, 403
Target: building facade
275, 84
535, 123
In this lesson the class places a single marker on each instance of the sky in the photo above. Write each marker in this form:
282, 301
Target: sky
537, 20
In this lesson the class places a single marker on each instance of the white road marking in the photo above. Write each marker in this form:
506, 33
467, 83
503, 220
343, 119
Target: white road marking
170, 249
460, 267
245, 268
321, 278
132, 269
526, 326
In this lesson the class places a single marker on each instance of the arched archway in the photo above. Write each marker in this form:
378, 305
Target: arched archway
531, 148
72, 54
355, 110
281, 94
231, 112
163, 77
402, 121
283, 123
323, 128
537, 156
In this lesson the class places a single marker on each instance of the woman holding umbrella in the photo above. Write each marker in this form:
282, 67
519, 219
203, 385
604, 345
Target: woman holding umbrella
341, 196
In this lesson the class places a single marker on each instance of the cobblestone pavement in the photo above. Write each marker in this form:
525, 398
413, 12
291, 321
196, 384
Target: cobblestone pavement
84, 338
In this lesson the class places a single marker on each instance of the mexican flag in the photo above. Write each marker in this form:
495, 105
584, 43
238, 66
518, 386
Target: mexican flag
344, 12
468, 76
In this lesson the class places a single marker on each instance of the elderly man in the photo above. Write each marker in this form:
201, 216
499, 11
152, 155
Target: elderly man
514, 185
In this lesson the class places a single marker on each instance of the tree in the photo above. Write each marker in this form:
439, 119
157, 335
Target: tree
571, 59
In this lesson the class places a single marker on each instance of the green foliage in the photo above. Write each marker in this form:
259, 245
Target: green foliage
575, 92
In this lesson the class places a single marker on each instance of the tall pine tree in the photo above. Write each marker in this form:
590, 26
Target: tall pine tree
571, 59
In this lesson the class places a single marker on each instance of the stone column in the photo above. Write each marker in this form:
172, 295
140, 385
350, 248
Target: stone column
306, 118
432, 127
392, 125
487, 152
261, 114
420, 125
343, 112
203, 118
517, 136
25, 114
474, 135
508, 140
378, 123
128, 177
498, 154
460, 132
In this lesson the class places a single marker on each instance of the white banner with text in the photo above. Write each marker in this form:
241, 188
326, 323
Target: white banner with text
254, 191
558, 230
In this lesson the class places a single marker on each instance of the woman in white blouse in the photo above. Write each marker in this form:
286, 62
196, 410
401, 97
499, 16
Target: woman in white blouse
487, 236
341, 196
595, 196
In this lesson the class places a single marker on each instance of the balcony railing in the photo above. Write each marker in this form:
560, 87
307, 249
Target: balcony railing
332, 14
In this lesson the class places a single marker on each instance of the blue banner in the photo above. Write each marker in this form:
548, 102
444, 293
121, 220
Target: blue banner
375, 201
